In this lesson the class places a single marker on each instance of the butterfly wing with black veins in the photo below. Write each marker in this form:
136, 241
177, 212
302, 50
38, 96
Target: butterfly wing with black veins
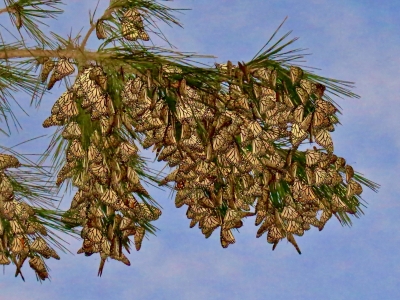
298, 135
323, 138
296, 74
8, 161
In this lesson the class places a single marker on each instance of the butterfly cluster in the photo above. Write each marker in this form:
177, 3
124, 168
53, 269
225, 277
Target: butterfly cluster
102, 169
223, 146
224, 149
21, 233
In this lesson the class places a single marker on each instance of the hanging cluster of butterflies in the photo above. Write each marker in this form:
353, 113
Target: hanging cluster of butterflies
103, 169
21, 233
223, 148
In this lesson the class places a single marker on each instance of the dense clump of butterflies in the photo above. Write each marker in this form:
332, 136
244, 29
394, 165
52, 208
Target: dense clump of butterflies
223, 146
102, 169
21, 233
221, 173
234, 163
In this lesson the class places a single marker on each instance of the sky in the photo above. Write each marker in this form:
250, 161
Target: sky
351, 40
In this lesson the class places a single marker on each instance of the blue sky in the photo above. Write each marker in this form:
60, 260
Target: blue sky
349, 40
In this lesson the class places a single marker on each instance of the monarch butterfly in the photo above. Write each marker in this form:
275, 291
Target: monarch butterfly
4, 260
99, 171
209, 222
94, 154
266, 225
320, 120
320, 176
52, 121
105, 125
129, 31
46, 69
66, 97
94, 235
72, 131
298, 114
297, 188
353, 187
24, 211
310, 176
18, 244
226, 68
349, 172
325, 216
302, 94
37, 264
183, 114
226, 238
99, 109
255, 128
143, 35
298, 135
337, 203
267, 75
8, 161
126, 151
312, 220
268, 93
67, 111
171, 69
292, 226
109, 197
289, 213
221, 142
307, 194
296, 74
78, 198
139, 237
336, 178
100, 30
206, 202
340, 163
326, 106
132, 176
194, 143
132, 15
306, 122
63, 68
126, 223
274, 235
91, 91
308, 86
323, 138
233, 155
6, 188
75, 149
16, 227
231, 216
39, 245
312, 157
